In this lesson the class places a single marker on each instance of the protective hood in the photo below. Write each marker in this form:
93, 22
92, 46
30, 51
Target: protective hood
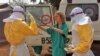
78, 17
18, 14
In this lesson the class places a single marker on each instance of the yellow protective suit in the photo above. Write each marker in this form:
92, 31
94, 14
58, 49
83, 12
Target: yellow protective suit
82, 39
86, 38
82, 33
16, 31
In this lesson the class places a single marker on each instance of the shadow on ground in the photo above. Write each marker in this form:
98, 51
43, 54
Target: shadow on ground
96, 48
4, 49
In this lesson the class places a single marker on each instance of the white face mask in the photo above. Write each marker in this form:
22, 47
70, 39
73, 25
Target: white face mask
78, 17
81, 21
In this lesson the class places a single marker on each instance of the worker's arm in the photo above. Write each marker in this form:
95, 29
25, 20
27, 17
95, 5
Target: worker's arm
86, 38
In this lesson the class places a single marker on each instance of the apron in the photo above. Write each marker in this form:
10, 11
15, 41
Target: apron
21, 50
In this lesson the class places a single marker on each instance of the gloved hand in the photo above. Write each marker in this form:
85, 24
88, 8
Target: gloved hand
69, 48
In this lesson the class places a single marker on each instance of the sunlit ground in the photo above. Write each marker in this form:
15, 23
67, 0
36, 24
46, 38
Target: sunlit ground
4, 49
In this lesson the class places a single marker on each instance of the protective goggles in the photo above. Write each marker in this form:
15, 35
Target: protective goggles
72, 15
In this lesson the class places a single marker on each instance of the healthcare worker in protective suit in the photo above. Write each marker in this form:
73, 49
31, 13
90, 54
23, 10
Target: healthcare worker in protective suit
82, 33
16, 30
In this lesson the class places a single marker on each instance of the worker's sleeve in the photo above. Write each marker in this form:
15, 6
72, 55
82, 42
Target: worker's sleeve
27, 30
33, 25
49, 31
65, 33
86, 37
65, 30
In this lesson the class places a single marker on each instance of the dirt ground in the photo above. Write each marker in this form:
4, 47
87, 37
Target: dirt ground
4, 49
